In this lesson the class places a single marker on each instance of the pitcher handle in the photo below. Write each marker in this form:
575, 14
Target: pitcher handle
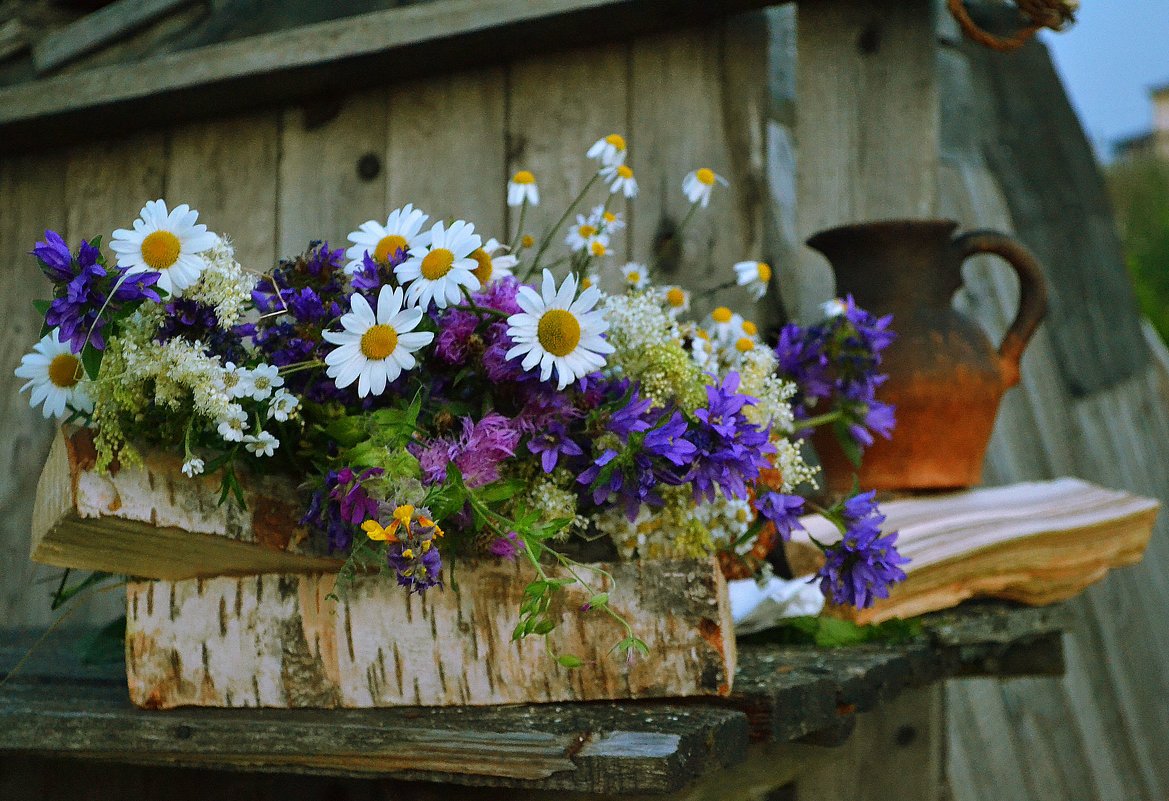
1032, 292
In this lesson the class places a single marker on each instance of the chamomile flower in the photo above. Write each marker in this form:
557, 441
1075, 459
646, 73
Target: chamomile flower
283, 404
590, 280
620, 178
725, 326
636, 276
374, 348
402, 231
584, 233
698, 185
754, 275
169, 243
834, 307
677, 300
493, 262
598, 248
435, 271
609, 151
193, 467
557, 329
522, 189
231, 424
608, 221
55, 376
262, 444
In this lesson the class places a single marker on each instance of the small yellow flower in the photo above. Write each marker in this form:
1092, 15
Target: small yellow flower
527, 241
407, 553
597, 248
374, 530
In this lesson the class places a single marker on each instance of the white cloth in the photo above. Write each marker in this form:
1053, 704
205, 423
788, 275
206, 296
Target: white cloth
761, 604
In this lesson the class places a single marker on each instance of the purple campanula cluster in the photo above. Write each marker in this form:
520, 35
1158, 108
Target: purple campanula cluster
862, 566
782, 511
731, 450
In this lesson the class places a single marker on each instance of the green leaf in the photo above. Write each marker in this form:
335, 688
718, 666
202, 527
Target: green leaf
42, 306
107, 645
852, 450
600, 599
569, 661
501, 490
91, 359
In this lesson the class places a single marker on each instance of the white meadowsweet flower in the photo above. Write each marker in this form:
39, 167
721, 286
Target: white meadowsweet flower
522, 189
264, 379
375, 348
620, 179
283, 404
636, 275
677, 300
584, 233
262, 444
557, 329
754, 275
833, 308
169, 243
436, 270
609, 151
698, 185
493, 262
193, 467
55, 376
382, 242
237, 381
231, 424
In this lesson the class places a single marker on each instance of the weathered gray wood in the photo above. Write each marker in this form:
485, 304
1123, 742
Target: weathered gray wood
314, 60
98, 29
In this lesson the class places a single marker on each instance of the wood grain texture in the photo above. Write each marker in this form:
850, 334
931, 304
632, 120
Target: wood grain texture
98, 29
150, 520
278, 641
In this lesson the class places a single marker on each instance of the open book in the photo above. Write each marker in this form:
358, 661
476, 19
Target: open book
1036, 543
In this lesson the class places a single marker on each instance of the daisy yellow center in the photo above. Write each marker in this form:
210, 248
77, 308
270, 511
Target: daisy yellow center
624, 171
705, 176
160, 249
764, 271
558, 332
437, 263
598, 248
749, 328
721, 315
610, 217
527, 241
387, 246
633, 277
63, 371
485, 269
586, 231
744, 345
379, 341
616, 140
676, 297
524, 177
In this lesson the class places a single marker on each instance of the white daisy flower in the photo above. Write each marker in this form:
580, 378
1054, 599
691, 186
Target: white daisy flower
494, 262
677, 300
558, 330
522, 189
620, 178
381, 242
725, 326
698, 185
636, 275
609, 151
584, 233
231, 424
283, 404
833, 308
167, 242
264, 379
262, 444
375, 348
754, 275
435, 271
193, 467
55, 376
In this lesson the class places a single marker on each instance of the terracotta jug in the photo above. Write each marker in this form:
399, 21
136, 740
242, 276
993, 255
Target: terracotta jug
945, 377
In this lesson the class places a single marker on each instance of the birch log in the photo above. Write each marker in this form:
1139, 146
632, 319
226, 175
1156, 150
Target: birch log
150, 520
279, 641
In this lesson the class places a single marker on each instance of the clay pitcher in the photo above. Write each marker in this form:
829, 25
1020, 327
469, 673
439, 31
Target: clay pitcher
946, 378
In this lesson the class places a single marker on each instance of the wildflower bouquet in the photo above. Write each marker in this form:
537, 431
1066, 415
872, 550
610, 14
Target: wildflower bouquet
440, 396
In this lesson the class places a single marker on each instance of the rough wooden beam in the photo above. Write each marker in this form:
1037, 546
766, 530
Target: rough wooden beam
279, 641
327, 58
151, 520
98, 29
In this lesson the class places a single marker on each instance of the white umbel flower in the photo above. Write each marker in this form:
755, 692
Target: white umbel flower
636, 275
381, 242
265, 379
609, 151
193, 467
584, 234
231, 424
169, 243
493, 262
754, 275
435, 271
620, 179
698, 185
262, 444
522, 189
55, 376
677, 300
375, 348
557, 329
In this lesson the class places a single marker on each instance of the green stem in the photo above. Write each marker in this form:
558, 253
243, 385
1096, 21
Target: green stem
819, 420
519, 231
552, 231
706, 293
297, 367
475, 308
